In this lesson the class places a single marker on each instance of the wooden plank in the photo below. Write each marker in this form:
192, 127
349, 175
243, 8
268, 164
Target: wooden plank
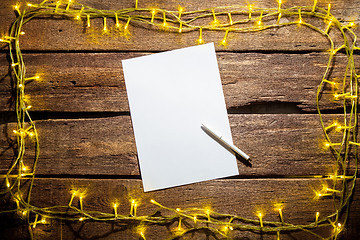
94, 82
67, 35
236, 196
279, 145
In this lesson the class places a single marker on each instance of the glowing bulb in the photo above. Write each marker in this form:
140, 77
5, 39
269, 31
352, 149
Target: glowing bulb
279, 207
43, 221
20, 85
81, 219
153, 12
317, 217
115, 209
29, 5
72, 197
200, 39
178, 209
127, 24
195, 219
250, 6
181, 9
215, 21
105, 26
314, 6
230, 19
24, 168
352, 24
7, 183
224, 41
88, 20
81, 203
68, 6
260, 216
300, 18
164, 25
22, 33
133, 207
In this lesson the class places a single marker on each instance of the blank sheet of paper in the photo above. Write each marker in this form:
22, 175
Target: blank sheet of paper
170, 94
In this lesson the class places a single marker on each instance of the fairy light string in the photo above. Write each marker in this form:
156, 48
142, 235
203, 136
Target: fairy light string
240, 19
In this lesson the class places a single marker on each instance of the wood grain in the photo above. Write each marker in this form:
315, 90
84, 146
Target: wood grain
238, 196
279, 145
68, 35
252, 82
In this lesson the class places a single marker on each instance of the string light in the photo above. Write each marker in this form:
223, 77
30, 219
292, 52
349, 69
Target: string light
58, 3
17, 8
259, 22
176, 24
164, 25
35, 222
250, 6
317, 217
78, 16
200, 39
351, 25
68, 6
72, 197
224, 42
260, 215
328, 11
115, 209
37, 77
279, 207
314, 6
127, 24
230, 19
207, 211
215, 21
329, 25
133, 207
300, 21
105, 25
117, 23
7, 182
153, 12
88, 20
80, 200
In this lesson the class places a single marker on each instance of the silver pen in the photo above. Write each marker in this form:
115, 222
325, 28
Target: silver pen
227, 144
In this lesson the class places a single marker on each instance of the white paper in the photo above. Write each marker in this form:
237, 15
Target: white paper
170, 94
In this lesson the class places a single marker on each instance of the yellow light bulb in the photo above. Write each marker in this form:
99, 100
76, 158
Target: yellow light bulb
81, 219
43, 221
24, 168
178, 209
22, 33
260, 216
352, 24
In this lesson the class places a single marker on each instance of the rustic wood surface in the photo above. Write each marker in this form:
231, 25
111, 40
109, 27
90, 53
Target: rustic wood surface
86, 137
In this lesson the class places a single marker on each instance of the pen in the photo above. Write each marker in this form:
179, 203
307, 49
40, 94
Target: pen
227, 144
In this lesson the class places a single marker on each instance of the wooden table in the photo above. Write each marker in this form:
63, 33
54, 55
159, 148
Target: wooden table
86, 137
